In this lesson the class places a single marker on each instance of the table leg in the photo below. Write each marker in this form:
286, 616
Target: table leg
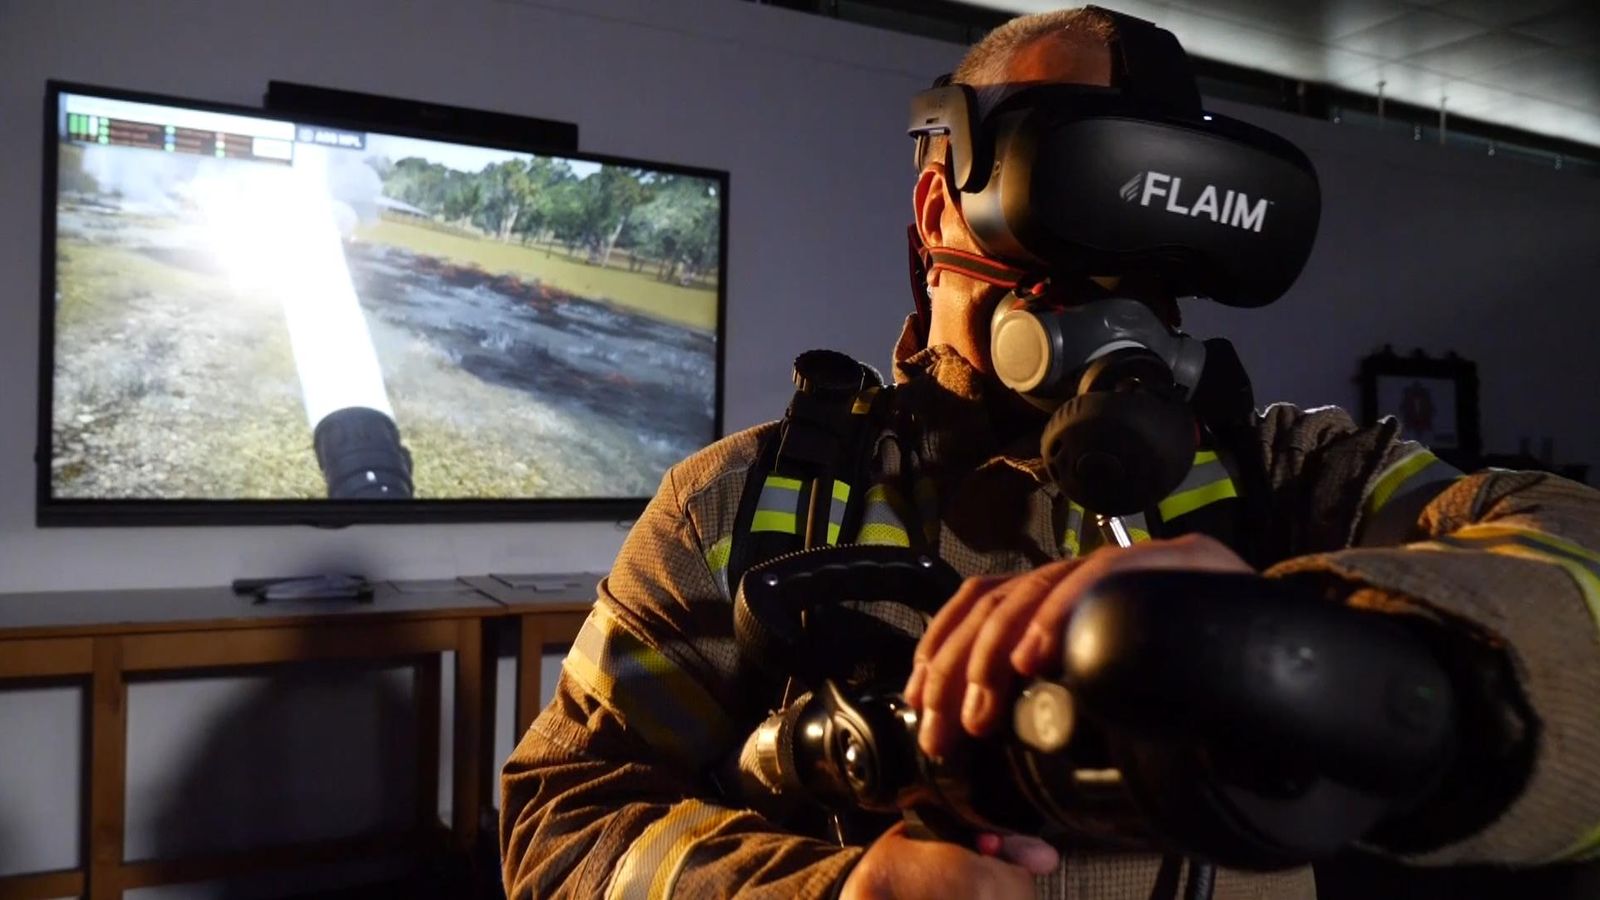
468, 732
426, 683
108, 752
530, 660
488, 690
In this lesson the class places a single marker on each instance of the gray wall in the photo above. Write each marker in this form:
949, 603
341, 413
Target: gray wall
1419, 247
1422, 246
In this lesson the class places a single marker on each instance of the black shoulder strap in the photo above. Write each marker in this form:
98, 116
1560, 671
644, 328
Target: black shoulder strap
822, 449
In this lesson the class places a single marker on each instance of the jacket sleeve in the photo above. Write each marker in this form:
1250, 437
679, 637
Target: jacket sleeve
1508, 560
609, 794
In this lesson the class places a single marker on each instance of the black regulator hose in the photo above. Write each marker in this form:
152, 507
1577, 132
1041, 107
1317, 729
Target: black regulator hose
1202, 881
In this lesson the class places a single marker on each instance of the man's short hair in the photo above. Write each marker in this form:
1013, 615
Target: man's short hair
986, 63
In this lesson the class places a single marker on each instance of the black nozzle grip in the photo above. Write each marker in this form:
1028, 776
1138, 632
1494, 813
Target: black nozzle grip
770, 605
1241, 661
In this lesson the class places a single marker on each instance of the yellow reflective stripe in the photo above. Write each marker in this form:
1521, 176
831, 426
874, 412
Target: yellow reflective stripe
1499, 529
1582, 564
772, 520
1206, 482
1582, 850
881, 520
863, 402
775, 507
883, 533
778, 493
1070, 541
654, 861
717, 555
1588, 584
663, 704
1591, 848
1137, 528
780, 497
1188, 501
1390, 479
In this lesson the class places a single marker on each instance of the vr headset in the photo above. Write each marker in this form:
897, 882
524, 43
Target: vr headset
1083, 180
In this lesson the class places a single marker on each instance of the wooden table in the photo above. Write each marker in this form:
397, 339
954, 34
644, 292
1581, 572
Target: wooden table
546, 610
106, 636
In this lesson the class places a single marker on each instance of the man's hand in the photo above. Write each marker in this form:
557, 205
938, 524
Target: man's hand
996, 629
899, 867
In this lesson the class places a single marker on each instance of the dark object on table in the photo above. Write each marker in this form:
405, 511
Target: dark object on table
307, 587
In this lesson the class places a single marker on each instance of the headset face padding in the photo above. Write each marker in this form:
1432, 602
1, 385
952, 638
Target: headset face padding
1093, 185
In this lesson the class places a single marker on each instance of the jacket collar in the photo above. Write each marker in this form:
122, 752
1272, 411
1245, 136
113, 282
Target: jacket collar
951, 409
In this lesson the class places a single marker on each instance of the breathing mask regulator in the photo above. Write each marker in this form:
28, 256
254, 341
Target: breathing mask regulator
1061, 183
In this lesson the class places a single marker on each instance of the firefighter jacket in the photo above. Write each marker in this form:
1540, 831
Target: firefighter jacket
607, 794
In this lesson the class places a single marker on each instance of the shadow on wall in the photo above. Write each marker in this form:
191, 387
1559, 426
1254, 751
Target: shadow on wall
316, 752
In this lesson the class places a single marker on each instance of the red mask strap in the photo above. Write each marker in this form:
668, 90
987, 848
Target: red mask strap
977, 267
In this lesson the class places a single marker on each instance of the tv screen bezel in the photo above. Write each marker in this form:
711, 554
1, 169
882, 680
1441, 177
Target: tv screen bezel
52, 511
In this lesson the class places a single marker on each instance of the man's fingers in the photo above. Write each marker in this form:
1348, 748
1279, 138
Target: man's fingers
951, 615
1039, 652
989, 672
954, 611
944, 686
946, 700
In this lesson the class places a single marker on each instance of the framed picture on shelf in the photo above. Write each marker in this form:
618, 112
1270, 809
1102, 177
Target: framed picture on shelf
1435, 400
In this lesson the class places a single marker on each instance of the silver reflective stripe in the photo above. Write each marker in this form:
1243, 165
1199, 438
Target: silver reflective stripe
665, 705
653, 863
775, 508
1414, 470
778, 507
1396, 497
836, 507
1208, 482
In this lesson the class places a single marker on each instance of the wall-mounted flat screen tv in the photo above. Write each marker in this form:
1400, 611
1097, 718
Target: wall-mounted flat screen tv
254, 318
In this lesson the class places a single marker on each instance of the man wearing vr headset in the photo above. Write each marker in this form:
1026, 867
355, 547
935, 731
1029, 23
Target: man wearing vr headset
1033, 321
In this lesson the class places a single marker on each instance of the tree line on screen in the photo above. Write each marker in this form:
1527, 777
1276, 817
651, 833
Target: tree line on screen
671, 219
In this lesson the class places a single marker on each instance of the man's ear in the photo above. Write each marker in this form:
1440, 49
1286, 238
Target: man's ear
929, 201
